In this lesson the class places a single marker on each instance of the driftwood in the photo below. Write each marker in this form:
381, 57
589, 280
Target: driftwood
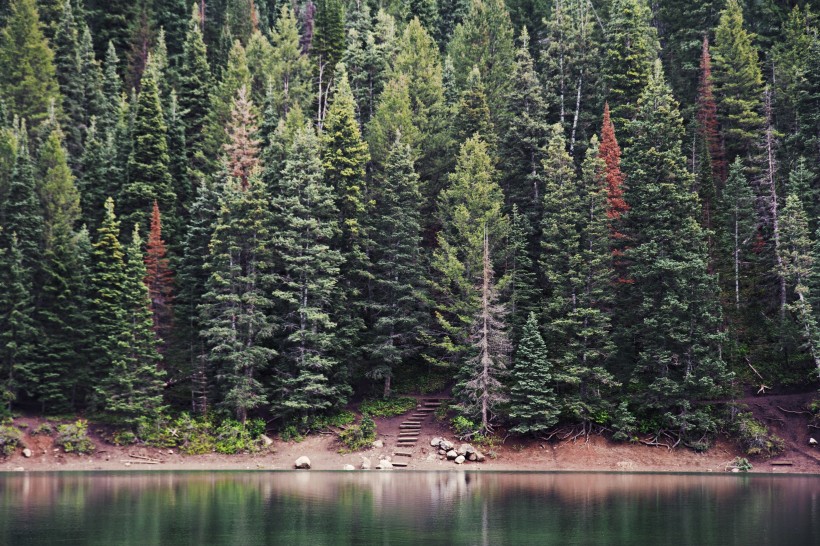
781, 463
138, 461
791, 411
143, 457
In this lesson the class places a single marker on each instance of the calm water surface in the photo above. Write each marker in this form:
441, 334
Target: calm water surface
428, 508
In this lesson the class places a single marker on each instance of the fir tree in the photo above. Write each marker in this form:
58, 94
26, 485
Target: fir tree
533, 403
111, 93
59, 197
738, 84
290, 78
393, 114
630, 50
28, 84
194, 89
398, 269
707, 117
69, 76
19, 336
482, 391
737, 225
305, 220
473, 200
675, 318
472, 114
148, 176
160, 281
99, 173
326, 49
523, 146
484, 39
242, 148
610, 153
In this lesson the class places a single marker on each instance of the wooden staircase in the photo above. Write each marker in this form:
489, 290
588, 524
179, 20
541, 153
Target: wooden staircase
410, 429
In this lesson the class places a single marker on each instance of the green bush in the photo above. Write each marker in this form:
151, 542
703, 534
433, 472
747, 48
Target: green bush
290, 432
193, 436
356, 437
124, 438
463, 427
324, 422
45, 428
741, 463
73, 437
10, 437
754, 436
233, 437
389, 407
157, 431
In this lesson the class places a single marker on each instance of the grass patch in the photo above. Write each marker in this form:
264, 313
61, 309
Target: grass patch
389, 407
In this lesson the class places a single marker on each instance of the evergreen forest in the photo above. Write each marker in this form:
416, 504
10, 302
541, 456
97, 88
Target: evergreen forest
602, 213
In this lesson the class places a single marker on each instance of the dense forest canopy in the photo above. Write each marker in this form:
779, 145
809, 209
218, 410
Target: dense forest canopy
603, 212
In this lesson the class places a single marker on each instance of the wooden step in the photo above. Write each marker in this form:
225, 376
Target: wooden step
410, 426
405, 435
403, 453
399, 464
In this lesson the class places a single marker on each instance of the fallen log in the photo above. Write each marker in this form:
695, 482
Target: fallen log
138, 461
781, 463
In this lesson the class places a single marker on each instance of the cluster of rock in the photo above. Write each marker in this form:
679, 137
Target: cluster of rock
303, 463
464, 452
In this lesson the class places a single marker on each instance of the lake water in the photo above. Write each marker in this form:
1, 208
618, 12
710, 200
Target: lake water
428, 508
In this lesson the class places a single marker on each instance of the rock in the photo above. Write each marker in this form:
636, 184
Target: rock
384, 464
19, 469
735, 470
349, 467
442, 452
472, 457
436, 441
812, 442
452, 454
465, 449
365, 463
302, 462
266, 440
378, 444
459, 459
126, 463
477, 456
170, 452
446, 445
26, 453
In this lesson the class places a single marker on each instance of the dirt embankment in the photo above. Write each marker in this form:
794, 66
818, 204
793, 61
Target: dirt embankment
785, 416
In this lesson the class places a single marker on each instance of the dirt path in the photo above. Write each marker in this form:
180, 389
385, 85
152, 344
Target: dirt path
784, 414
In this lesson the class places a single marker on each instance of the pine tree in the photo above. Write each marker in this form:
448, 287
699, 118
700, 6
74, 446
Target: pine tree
133, 386
610, 153
99, 174
523, 146
629, 53
738, 225
27, 77
707, 117
798, 264
19, 336
148, 176
194, 89
236, 307
675, 318
111, 93
112, 20
534, 404
484, 39
571, 63
160, 282
242, 148
472, 114
69, 77
305, 220
473, 200
482, 391
59, 198
738, 84
398, 269
291, 77
326, 48
393, 114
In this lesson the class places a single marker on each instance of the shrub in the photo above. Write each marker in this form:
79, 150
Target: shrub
356, 437
73, 437
157, 431
45, 428
290, 432
193, 436
124, 438
754, 436
387, 407
10, 437
233, 437
324, 422
741, 463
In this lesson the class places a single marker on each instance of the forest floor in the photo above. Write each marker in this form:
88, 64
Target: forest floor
785, 416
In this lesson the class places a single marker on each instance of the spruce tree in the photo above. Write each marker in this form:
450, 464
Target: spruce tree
305, 219
393, 114
291, 76
160, 281
473, 200
326, 48
484, 39
399, 287
610, 153
19, 336
534, 405
59, 197
675, 318
99, 174
482, 391
523, 146
707, 117
69, 77
194, 87
148, 176
738, 84
472, 114
111, 93
28, 83
737, 228
630, 51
